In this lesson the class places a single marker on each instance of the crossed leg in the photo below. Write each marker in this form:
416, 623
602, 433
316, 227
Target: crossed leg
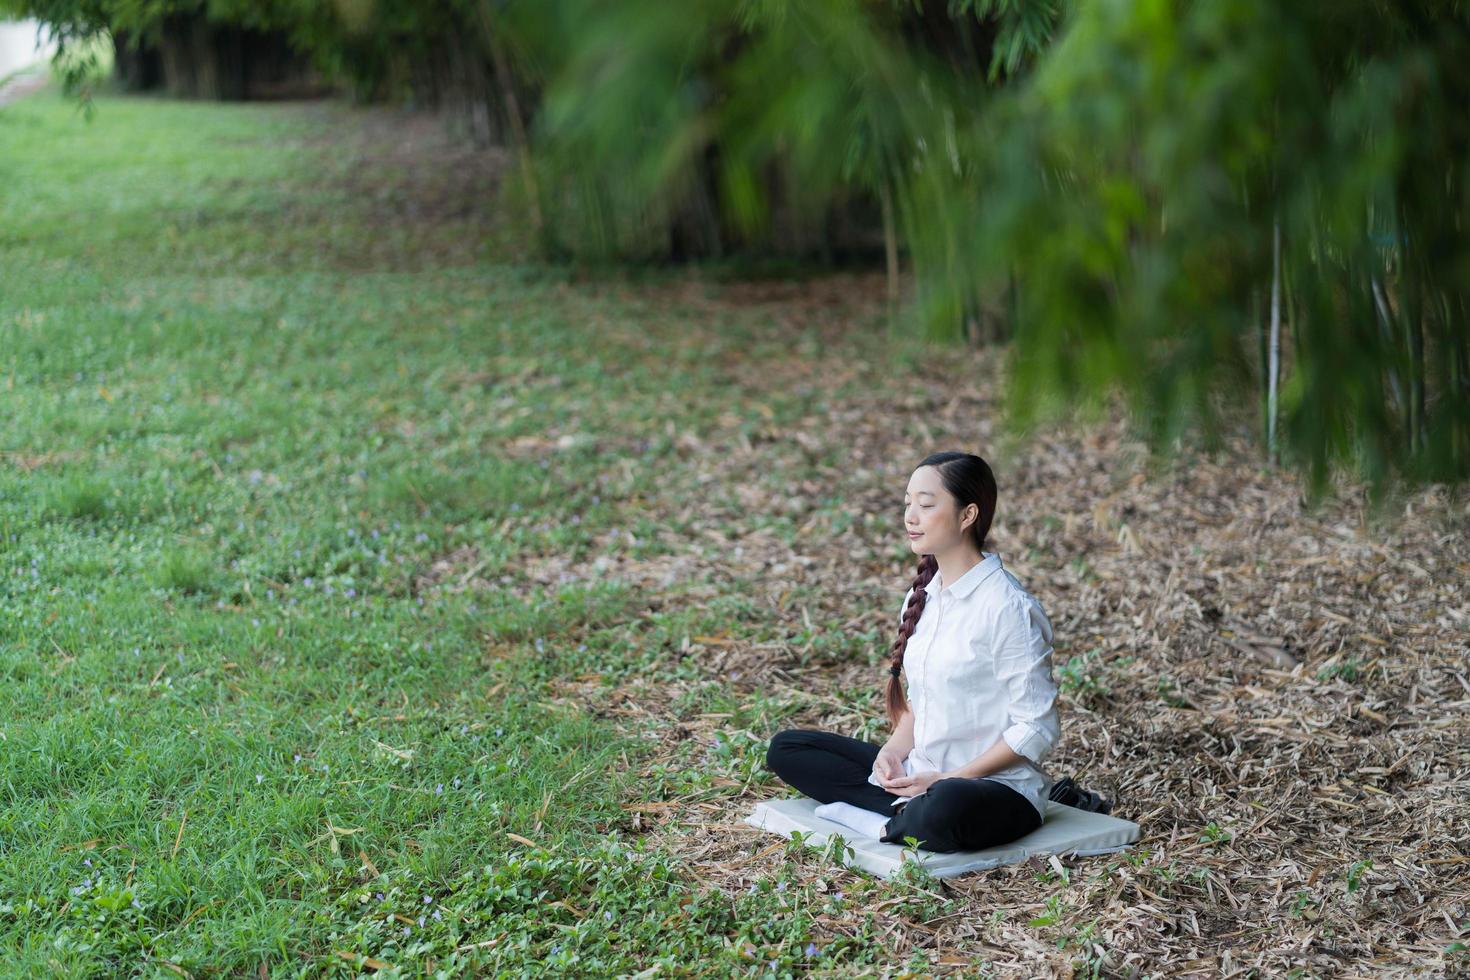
954, 814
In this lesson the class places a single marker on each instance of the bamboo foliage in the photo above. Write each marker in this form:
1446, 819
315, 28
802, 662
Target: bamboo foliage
1130, 180
1121, 176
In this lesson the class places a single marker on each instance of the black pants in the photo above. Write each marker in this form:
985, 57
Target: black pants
953, 814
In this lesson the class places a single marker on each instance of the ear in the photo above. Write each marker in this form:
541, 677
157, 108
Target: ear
964, 525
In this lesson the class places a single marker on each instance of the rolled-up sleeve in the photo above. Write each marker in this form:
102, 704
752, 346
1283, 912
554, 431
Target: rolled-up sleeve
1023, 664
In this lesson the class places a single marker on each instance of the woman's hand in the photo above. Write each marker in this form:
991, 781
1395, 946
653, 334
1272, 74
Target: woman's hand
914, 785
888, 765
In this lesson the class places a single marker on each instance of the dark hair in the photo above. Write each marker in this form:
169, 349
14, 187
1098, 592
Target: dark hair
969, 480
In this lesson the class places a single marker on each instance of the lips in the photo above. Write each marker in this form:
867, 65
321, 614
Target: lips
916, 534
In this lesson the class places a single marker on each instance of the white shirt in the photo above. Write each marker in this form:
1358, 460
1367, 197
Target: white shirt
979, 669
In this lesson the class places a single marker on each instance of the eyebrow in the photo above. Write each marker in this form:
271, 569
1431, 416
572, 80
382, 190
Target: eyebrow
921, 493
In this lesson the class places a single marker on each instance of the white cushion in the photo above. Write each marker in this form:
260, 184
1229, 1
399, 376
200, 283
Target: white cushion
1066, 830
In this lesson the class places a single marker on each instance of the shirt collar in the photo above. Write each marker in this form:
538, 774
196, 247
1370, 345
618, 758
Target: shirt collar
967, 582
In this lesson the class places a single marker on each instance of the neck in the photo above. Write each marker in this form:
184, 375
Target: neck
956, 562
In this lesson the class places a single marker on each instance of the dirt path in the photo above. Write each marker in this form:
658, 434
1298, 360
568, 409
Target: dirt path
24, 59
24, 83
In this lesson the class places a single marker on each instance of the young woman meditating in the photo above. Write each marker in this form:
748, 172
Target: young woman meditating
962, 769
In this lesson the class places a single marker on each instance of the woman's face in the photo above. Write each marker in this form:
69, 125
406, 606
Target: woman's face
929, 514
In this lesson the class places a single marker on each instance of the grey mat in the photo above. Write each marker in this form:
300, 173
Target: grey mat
1066, 830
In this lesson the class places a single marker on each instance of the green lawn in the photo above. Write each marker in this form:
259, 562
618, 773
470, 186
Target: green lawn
243, 720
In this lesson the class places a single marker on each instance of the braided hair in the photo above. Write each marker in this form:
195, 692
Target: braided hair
969, 480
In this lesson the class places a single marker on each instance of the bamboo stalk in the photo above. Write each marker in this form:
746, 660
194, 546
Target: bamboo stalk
506, 83
1385, 324
1273, 371
890, 244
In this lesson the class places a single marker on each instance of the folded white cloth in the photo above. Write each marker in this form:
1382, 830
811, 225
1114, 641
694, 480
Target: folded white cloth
865, 822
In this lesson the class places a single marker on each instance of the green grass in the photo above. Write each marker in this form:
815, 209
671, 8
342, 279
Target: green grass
241, 419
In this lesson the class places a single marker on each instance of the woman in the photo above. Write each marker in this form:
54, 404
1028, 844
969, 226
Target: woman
962, 769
